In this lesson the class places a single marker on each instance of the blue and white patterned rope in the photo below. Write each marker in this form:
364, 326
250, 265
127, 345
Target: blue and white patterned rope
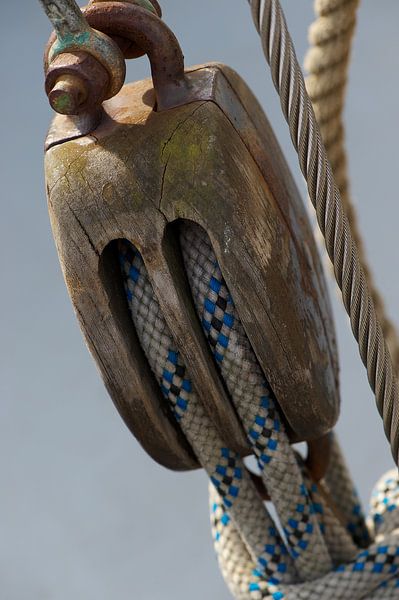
311, 553
372, 574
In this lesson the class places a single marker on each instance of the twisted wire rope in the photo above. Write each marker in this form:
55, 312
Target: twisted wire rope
297, 108
327, 62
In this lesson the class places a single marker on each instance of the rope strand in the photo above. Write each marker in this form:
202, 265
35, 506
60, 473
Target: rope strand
327, 63
318, 550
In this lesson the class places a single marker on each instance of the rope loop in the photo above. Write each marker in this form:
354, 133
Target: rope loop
320, 547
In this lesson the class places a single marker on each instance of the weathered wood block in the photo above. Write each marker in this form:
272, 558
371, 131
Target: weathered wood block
214, 161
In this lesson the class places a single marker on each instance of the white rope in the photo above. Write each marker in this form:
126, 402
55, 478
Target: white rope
320, 547
353, 581
316, 549
257, 558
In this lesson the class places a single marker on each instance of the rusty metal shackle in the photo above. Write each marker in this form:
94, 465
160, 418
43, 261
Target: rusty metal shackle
130, 49
151, 5
153, 37
79, 77
73, 88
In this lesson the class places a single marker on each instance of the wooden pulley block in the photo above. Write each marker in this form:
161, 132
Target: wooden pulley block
190, 145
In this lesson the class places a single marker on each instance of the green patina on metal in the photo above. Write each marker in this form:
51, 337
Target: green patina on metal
98, 45
74, 39
66, 42
147, 4
63, 102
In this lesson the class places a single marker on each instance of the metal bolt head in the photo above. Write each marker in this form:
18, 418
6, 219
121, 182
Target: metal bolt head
68, 94
76, 82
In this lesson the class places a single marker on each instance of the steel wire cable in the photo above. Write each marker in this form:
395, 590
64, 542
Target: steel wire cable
297, 108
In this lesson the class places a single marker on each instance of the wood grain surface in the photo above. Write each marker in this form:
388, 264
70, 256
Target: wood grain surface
216, 162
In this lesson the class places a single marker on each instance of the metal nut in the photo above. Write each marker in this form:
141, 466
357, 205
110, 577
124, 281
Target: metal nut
76, 82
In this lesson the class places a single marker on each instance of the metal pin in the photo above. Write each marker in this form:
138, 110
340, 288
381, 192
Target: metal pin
73, 91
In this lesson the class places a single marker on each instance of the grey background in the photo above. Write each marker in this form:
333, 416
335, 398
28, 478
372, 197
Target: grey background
84, 512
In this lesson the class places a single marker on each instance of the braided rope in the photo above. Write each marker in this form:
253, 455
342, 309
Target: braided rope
320, 546
317, 548
347, 582
324, 194
258, 558
327, 63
